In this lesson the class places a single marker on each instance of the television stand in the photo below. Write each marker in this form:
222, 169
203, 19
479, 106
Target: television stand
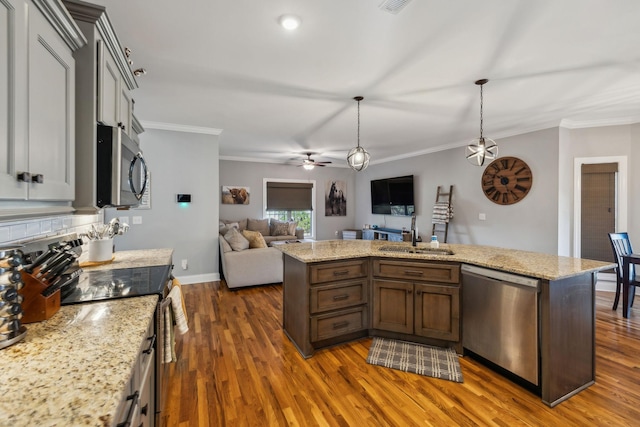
388, 234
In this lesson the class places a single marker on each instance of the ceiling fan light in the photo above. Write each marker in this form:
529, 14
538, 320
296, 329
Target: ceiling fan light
481, 149
289, 22
358, 159
308, 166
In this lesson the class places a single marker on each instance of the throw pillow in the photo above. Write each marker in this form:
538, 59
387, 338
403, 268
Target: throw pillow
236, 240
255, 239
223, 230
281, 229
260, 225
292, 227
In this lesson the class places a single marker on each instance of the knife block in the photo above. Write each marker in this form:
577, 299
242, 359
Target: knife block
36, 307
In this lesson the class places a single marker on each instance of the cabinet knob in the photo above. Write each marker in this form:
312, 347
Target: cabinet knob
37, 178
24, 177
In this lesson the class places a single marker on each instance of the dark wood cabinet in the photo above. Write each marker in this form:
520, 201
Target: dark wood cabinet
416, 298
325, 303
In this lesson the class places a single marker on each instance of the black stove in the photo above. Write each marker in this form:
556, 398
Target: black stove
113, 284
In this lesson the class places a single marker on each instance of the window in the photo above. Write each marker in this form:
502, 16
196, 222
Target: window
286, 200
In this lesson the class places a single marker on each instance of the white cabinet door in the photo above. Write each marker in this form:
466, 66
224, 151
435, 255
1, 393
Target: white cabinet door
51, 117
109, 92
13, 98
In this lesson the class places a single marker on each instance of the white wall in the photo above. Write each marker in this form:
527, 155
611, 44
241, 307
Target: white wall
606, 141
249, 174
179, 162
530, 224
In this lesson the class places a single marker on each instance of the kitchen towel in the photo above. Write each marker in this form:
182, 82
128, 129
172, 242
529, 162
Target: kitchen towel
177, 308
442, 213
169, 350
175, 282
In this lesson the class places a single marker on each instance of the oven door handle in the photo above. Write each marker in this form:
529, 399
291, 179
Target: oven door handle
152, 345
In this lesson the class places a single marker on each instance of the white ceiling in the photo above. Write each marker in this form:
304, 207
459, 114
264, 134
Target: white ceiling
275, 93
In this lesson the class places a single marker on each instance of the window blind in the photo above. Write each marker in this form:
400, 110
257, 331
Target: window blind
293, 196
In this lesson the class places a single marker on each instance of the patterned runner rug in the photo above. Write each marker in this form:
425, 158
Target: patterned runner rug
420, 359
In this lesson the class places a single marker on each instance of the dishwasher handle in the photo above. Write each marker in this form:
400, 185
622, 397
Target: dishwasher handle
501, 276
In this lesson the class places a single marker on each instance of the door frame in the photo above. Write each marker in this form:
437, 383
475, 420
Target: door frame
621, 202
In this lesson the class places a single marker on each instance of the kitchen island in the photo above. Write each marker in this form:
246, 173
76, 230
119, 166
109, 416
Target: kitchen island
77, 367
336, 291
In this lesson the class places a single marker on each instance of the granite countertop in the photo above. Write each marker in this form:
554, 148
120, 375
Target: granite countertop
532, 264
73, 368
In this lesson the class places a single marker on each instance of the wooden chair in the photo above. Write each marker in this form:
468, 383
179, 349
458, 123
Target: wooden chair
622, 246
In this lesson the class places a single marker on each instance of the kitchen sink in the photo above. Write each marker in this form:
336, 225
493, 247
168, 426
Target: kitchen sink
416, 250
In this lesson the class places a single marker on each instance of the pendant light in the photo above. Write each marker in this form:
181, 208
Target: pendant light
481, 148
358, 157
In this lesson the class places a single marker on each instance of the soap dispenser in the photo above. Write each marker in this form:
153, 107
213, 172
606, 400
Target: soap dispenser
434, 242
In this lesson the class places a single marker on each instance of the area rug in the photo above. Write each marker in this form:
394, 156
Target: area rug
420, 359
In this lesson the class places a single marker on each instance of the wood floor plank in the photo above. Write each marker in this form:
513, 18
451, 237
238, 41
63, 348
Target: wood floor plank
236, 367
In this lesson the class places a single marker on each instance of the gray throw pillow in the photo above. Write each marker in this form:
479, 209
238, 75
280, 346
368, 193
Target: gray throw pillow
236, 240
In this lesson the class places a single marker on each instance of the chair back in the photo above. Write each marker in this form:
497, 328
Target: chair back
621, 246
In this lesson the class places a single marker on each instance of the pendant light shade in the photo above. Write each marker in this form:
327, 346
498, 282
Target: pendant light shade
481, 149
358, 157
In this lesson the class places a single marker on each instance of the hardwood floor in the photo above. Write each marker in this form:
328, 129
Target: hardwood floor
237, 368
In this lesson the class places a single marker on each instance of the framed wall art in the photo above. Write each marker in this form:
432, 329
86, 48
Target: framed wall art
335, 198
235, 195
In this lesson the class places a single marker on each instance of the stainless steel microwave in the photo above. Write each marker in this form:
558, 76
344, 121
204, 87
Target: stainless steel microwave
121, 172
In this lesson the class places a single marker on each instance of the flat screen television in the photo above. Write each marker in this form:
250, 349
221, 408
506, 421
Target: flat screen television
392, 196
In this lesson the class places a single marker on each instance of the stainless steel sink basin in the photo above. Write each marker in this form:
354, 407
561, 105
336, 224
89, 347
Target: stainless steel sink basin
416, 250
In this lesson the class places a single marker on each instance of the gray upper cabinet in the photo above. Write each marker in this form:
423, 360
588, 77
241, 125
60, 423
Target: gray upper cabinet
37, 101
104, 82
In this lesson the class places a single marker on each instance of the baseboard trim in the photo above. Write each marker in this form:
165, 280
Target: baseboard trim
606, 282
198, 278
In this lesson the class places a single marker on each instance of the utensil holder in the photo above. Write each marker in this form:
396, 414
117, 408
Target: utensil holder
36, 307
100, 250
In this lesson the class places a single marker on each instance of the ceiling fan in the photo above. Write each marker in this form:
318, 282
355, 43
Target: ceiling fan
309, 163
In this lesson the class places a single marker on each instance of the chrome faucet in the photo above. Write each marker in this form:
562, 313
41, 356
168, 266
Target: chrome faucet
414, 237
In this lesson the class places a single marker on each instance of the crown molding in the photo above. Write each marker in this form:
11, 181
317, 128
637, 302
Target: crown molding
181, 128
614, 121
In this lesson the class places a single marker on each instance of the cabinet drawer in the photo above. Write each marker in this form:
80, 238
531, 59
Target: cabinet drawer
332, 297
421, 271
333, 325
330, 272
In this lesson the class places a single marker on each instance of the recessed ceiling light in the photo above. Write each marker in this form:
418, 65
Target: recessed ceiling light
289, 22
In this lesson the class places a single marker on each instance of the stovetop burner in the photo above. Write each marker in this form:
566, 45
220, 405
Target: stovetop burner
113, 284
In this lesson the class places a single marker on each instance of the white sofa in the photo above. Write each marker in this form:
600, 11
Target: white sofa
250, 267
256, 266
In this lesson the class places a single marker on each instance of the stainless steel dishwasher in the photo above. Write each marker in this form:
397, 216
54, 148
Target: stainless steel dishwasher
500, 319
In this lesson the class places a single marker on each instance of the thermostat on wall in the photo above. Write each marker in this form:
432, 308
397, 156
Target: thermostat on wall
183, 198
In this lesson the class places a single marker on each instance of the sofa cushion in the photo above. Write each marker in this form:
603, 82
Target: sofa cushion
255, 239
225, 245
236, 240
292, 227
259, 225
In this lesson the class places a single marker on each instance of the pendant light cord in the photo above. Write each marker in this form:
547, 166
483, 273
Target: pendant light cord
358, 123
481, 102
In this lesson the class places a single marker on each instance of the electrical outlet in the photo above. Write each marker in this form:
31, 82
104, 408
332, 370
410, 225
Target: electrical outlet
137, 219
185, 264
336, 233
482, 217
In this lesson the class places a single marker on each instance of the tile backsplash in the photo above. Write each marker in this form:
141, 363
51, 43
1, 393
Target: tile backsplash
27, 230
